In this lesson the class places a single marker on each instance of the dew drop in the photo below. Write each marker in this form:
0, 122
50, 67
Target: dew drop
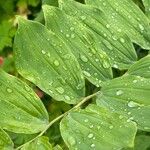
60, 90
133, 104
106, 64
122, 40
141, 27
43, 52
86, 73
119, 92
92, 145
120, 117
111, 127
107, 26
9, 90
134, 81
67, 97
56, 63
71, 28
86, 120
84, 58
83, 17
90, 135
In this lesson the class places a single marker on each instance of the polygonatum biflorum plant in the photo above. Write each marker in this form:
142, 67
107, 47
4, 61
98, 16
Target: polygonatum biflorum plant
94, 43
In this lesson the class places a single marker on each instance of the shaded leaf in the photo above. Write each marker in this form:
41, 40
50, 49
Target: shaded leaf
21, 109
147, 7
141, 68
41, 143
117, 45
128, 95
94, 62
97, 128
5, 141
44, 59
126, 16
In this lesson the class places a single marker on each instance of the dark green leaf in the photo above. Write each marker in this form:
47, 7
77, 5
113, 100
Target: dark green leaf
44, 59
94, 62
97, 128
21, 110
128, 95
117, 45
147, 7
126, 16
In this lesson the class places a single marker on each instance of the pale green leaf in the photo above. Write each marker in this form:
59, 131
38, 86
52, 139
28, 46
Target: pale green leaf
147, 7
141, 68
41, 143
97, 128
117, 45
93, 61
128, 95
5, 141
126, 16
44, 59
57, 147
21, 111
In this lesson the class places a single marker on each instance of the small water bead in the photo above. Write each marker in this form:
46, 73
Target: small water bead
129, 113
122, 40
67, 35
111, 127
133, 104
106, 64
71, 28
60, 90
27, 88
9, 90
134, 81
92, 145
56, 63
72, 36
83, 17
119, 92
86, 120
86, 73
43, 52
115, 66
91, 126
84, 58
90, 135
120, 117
141, 27
48, 54
67, 97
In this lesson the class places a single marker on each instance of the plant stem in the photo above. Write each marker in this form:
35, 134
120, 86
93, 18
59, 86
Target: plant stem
59, 117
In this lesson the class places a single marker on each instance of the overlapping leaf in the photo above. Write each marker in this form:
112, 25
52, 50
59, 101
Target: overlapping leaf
128, 95
147, 7
21, 111
93, 61
141, 68
5, 141
97, 128
41, 143
125, 16
117, 45
44, 59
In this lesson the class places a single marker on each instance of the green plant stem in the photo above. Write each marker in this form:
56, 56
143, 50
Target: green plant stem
59, 117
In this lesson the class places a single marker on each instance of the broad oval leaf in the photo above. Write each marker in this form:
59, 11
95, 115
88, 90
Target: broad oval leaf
5, 141
141, 68
97, 128
126, 16
44, 59
93, 61
41, 143
21, 109
128, 95
117, 45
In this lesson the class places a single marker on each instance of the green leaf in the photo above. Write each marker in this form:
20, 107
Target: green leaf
5, 141
128, 95
57, 147
41, 143
126, 16
44, 59
117, 45
141, 68
50, 2
94, 62
97, 128
21, 109
147, 7
142, 142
